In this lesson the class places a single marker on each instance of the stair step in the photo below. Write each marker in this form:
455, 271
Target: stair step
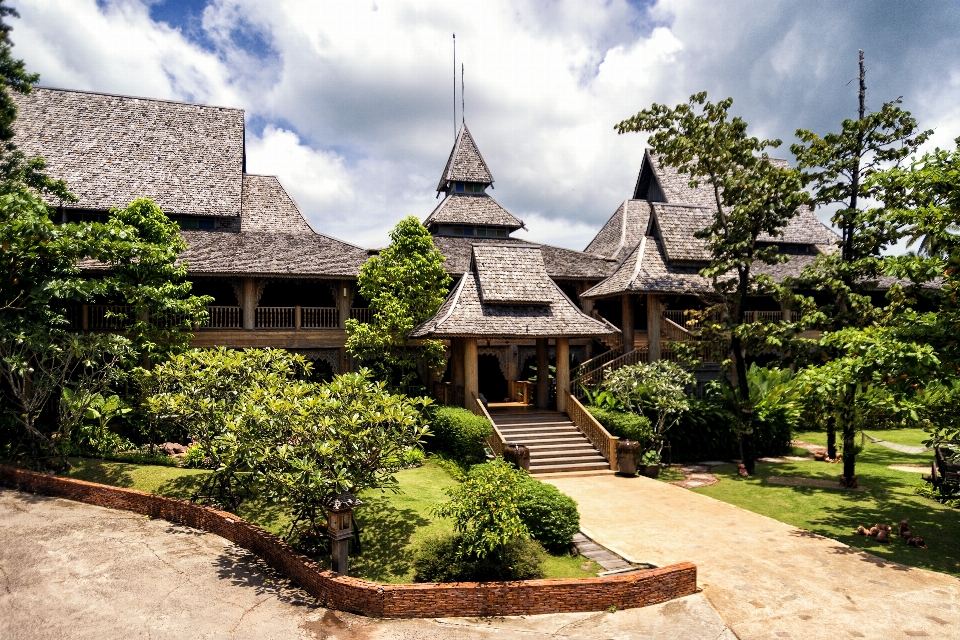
541, 438
563, 445
575, 466
524, 425
579, 454
541, 461
538, 429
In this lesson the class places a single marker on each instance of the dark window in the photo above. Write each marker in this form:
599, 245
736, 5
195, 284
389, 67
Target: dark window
206, 224
468, 231
478, 188
459, 186
458, 231
189, 224
501, 233
481, 231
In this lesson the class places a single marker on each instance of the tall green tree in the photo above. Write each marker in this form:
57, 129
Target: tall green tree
837, 168
139, 246
753, 197
405, 284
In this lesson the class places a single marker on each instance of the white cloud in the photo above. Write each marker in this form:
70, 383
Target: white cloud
350, 103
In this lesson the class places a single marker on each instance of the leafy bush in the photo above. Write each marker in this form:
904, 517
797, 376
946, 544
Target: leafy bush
412, 457
485, 508
196, 458
946, 494
459, 433
657, 390
550, 516
628, 426
443, 560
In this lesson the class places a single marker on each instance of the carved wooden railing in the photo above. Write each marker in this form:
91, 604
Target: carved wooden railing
224, 318
675, 332
522, 391
763, 316
593, 377
319, 317
495, 439
599, 437
363, 314
683, 318
275, 317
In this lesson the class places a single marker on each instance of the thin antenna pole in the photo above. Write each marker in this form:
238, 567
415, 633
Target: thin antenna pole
863, 85
463, 99
454, 87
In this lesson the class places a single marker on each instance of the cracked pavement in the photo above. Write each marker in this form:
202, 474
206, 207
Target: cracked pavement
73, 570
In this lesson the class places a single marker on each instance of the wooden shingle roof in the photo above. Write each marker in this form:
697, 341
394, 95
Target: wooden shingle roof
272, 238
465, 163
466, 313
560, 263
111, 150
472, 209
622, 231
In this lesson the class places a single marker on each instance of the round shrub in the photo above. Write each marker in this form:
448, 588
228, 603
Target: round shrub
459, 433
442, 560
625, 425
550, 516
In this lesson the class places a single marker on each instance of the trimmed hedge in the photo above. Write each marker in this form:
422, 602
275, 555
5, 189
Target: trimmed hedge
623, 424
440, 560
551, 516
459, 433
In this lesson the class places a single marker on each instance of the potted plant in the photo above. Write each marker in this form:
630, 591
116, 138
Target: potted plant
650, 464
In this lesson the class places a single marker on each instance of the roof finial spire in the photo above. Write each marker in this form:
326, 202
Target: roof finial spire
454, 87
463, 99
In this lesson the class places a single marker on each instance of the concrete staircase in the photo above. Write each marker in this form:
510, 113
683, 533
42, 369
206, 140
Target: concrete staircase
555, 443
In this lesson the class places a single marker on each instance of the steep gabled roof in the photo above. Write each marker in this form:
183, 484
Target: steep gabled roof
622, 231
465, 163
560, 263
511, 274
272, 238
466, 313
647, 270
473, 209
111, 149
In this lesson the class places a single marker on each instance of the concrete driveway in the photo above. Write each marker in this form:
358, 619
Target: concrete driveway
765, 578
72, 570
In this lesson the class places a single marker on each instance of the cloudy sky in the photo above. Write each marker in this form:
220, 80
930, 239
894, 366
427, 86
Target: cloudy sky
351, 103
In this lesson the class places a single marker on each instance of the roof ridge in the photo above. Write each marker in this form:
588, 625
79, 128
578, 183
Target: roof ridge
120, 95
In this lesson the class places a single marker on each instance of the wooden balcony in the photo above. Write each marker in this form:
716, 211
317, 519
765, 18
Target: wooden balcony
224, 318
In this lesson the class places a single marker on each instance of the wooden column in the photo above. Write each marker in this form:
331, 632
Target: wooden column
626, 305
471, 381
654, 315
787, 313
543, 372
248, 301
456, 371
563, 372
345, 293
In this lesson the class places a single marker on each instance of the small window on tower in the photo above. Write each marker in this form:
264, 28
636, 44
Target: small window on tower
501, 233
481, 231
458, 231
468, 231
478, 188
459, 187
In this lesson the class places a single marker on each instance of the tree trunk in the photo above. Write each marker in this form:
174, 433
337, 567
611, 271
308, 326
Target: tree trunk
847, 420
831, 436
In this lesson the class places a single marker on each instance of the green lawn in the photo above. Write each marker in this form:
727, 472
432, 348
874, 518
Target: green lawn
836, 513
912, 437
392, 524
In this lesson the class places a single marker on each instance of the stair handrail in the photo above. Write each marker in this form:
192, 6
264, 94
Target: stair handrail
599, 437
675, 332
633, 357
495, 439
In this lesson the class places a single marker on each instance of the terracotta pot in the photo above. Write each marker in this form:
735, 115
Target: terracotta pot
518, 455
650, 470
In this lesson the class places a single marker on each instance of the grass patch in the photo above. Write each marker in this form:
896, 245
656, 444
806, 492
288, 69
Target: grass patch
391, 524
670, 474
911, 437
835, 513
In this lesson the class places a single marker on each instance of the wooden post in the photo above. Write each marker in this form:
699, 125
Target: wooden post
563, 372
249, 303
456, 371
344, 360
471, 382
787, 313
543, 372
345, 293
85, 317
297, 322
654, 315
626, 305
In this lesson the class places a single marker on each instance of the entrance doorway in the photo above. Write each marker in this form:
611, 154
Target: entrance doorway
492, 383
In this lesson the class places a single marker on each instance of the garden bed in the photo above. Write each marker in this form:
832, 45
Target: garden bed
392, 524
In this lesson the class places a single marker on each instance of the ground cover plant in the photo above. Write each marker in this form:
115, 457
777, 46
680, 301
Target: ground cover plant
393, 525
836, 513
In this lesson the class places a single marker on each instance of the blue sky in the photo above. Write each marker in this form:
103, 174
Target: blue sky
350, 103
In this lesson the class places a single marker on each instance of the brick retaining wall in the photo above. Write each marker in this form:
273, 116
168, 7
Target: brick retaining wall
335, 591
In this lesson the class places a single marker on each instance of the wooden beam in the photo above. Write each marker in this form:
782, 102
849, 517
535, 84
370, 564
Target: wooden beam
563, 372
626, 305
248, 302
543, 372
456, 370
471, 381
654, 323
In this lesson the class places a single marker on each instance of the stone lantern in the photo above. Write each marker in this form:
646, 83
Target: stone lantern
340, 527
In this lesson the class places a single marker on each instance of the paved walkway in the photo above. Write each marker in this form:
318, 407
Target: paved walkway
766, 579
72, 570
